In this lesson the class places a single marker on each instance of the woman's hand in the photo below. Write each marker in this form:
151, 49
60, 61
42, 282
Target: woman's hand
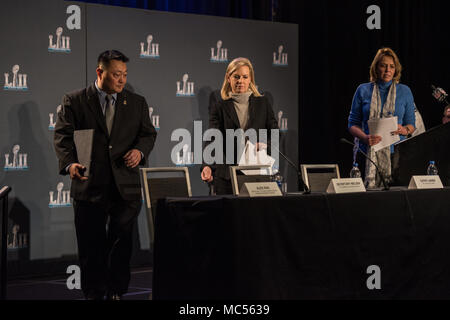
404, 131
373, 140
368, 139
261, 146
207, 174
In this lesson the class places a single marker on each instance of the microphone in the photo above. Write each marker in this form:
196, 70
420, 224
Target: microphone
386, 186
439, 94
305, 188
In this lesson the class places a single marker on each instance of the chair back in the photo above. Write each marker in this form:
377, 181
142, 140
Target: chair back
159, 183
318, 176
238, 178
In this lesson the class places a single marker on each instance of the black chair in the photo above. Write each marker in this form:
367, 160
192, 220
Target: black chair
318, 176
238, 178
159, 183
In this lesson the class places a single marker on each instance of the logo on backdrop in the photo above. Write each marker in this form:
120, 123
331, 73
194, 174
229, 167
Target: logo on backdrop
185, 88
185, 157
18, 161
16, 240
153, 118
59, 43
219, 54
142, 195
151, 50
280, 58
52, 118
59, 199
282, 122
18, 81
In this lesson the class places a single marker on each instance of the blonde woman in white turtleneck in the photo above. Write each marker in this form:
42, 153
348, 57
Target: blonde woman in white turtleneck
242, 107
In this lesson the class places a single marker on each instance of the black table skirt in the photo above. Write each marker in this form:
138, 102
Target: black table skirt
314, 246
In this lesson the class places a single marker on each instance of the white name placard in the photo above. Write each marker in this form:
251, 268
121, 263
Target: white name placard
260, 189
346, 185
425, 182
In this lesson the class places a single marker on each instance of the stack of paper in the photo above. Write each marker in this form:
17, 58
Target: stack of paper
383, 127
251, 157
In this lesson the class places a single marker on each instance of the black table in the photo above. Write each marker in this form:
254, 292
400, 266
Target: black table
314, 246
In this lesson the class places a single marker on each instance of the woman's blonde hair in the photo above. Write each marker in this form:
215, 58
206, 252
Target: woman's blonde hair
232, 67
383, 52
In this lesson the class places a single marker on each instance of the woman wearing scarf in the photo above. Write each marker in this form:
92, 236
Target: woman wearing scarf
382, 97
241, 107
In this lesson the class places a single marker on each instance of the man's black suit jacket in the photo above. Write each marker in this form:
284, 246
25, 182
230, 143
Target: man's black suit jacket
223, 116
131, 129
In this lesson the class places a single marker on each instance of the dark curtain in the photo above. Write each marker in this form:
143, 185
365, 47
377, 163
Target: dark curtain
248, 9
336, 50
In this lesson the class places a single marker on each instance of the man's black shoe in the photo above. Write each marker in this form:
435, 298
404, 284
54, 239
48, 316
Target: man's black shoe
114, 296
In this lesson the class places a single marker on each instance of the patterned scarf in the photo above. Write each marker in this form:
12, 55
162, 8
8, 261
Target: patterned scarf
382, 157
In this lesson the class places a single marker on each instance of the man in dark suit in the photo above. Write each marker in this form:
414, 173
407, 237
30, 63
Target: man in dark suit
108, 201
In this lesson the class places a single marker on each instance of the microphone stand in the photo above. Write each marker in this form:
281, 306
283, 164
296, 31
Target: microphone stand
386, 186
302, 183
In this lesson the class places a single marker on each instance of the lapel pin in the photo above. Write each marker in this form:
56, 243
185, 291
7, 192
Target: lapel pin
125, 102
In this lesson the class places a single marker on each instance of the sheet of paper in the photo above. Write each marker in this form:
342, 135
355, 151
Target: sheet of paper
383, 127
83, 140
251, 157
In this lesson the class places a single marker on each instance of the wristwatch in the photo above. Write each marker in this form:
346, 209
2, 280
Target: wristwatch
408, 133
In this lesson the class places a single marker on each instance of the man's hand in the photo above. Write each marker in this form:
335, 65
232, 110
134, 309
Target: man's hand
132, 158
207, 174
75, 171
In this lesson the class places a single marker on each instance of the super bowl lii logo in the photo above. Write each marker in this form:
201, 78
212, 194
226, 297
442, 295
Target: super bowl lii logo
16, 240
142, 195
282, 122
280, 58
18, 161
61, 43
151, 50
185, 158
185, 88
59, 199
19, 80
52, 118
153, 118
219, 54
